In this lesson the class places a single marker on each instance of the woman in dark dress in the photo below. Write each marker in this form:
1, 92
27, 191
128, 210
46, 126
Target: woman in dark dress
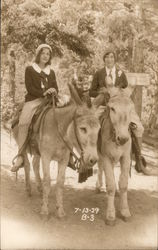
40, 81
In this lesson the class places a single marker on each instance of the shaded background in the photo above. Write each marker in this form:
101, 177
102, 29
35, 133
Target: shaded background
78, 31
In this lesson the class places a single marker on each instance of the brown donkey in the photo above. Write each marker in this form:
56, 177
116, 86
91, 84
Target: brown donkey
79, 126
114, 145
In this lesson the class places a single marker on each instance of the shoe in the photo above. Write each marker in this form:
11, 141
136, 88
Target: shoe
18, 164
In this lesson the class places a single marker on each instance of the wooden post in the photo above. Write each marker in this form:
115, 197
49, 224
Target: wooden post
137, 99
137, 62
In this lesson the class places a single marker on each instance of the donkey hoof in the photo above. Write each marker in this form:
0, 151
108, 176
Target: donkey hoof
126, 219
117, 194
44, 217
100, 190
28, 191
63, 218
40, 190
110, 222
61, 214
44, 210
97, 190
125, 214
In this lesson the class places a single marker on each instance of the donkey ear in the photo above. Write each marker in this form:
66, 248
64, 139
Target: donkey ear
74, 94
128, 91
100, 110
99, 100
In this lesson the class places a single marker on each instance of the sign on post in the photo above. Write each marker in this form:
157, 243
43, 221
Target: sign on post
138, 79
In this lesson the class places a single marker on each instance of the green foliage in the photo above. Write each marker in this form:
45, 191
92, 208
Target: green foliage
31, 23
7, 104
86, 24
78, 31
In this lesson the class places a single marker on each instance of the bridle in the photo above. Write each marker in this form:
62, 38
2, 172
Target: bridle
104, 119
79, 161
113, 130
77, 136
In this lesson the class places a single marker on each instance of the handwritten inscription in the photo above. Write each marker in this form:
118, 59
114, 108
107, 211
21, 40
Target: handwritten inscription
87, 213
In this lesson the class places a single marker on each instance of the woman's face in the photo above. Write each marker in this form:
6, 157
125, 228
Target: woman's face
45, 56
110, 60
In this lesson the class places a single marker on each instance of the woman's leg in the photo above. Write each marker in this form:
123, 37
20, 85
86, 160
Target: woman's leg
27, 113
22, 136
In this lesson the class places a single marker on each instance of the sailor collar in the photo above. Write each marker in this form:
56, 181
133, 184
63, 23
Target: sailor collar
46, 70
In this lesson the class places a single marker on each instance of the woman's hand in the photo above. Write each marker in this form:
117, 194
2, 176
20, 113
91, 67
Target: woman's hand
50, 91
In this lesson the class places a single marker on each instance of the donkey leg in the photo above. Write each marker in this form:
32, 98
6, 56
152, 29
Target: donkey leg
111, 188
46, 183
36, 167
123, 185
27, 174
99, 182
59, 187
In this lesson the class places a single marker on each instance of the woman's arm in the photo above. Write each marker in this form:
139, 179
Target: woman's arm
31, 88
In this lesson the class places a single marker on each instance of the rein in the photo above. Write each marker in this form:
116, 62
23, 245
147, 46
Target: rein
78, 160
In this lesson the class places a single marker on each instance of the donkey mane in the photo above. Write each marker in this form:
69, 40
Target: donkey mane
120, 97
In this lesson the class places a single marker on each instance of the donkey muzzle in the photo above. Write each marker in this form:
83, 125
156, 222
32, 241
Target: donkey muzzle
92, 161
121, 140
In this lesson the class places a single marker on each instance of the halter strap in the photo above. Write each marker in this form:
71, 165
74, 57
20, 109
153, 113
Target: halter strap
77, 159
106, 115
77, 138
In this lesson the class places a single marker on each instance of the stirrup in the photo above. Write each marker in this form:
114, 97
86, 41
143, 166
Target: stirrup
14, 167
72, 165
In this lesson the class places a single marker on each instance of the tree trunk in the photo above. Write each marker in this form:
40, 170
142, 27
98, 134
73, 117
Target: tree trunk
137, 67
12, 75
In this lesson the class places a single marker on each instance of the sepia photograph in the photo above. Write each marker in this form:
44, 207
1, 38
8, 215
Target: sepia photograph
79, 125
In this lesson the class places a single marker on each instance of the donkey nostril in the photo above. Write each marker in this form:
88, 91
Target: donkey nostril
92, 161
118, 138
122, 140
125, 139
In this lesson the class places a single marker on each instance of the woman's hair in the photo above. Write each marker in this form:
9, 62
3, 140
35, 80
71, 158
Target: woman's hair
37, 58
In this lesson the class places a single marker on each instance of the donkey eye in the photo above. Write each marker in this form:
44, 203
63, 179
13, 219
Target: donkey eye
83, 130
112, 109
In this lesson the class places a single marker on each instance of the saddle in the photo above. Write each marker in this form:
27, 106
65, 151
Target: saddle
34, 124
15, 121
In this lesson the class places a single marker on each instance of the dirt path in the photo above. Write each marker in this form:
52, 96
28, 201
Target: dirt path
23, 228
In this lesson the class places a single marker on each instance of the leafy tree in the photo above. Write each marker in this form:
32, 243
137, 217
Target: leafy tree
78, 31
